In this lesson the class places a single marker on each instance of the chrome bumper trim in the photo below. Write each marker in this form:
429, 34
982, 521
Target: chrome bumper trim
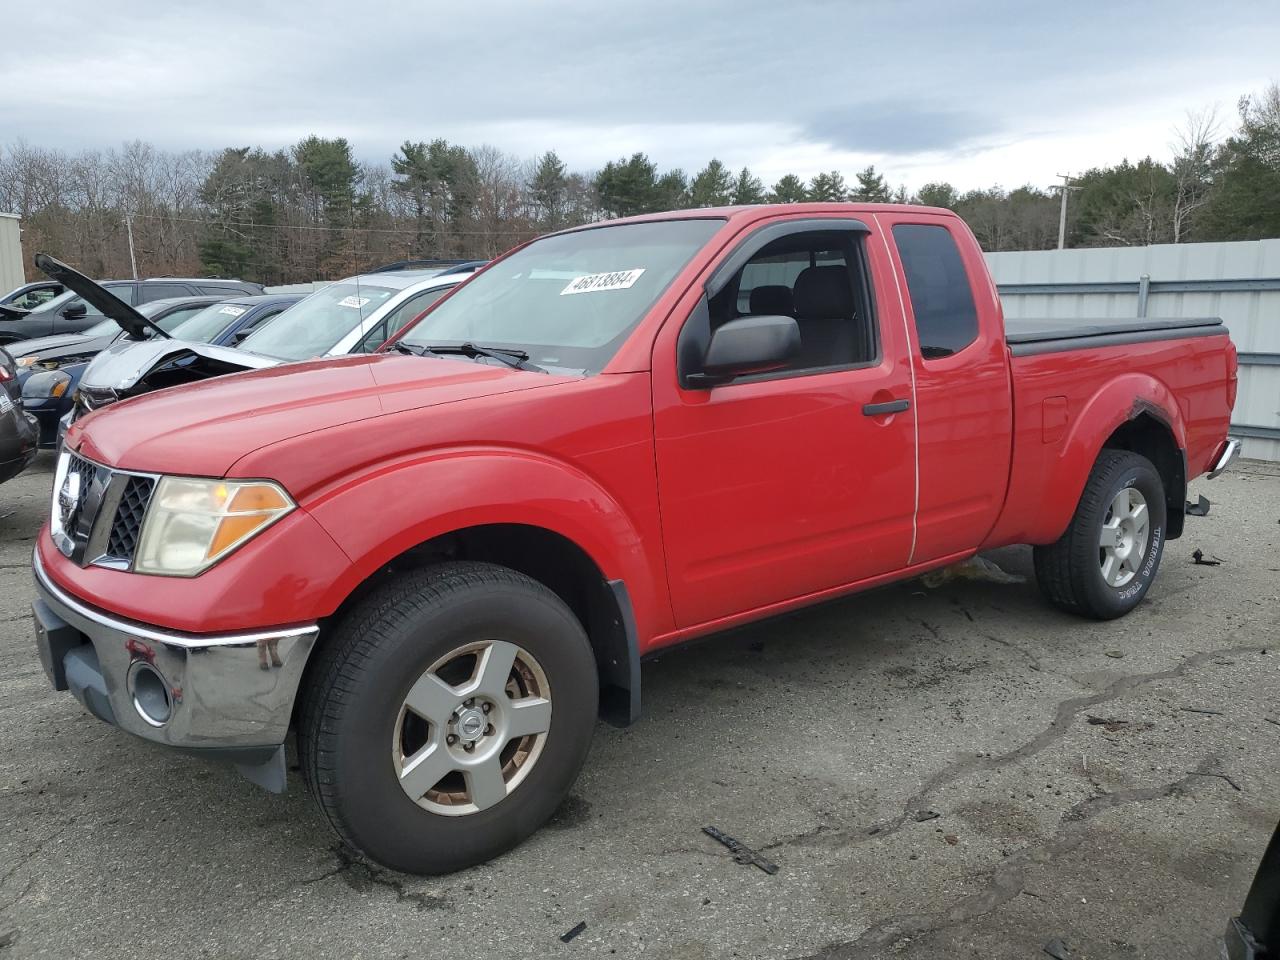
1230, 454
229, 692
141, 630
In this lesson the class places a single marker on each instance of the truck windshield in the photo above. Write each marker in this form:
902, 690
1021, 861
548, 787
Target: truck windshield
568, 300
315, 324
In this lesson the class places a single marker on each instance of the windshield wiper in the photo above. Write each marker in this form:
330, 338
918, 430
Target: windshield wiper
512, 358
403, 347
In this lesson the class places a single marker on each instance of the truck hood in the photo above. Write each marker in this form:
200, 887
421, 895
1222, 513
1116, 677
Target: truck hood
125, 362
202, 429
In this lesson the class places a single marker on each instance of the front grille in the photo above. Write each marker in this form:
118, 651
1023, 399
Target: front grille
123, 539
98, 511
71, 506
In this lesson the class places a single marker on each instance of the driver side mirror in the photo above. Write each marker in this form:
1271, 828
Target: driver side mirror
745, 346
76, 309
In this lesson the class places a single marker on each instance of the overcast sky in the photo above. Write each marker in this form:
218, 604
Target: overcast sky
978, 94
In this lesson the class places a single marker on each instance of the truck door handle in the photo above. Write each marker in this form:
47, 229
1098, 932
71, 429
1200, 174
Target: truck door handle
880, 409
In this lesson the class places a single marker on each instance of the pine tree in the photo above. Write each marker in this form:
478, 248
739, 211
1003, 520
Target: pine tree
828, 187
790, 189
747, 189
871, 187
549, 190
712, 187
629, 186
937, 195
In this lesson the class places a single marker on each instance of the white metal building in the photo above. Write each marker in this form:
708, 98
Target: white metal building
11, 273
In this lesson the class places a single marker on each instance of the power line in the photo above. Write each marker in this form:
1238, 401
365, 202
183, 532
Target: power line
399, 231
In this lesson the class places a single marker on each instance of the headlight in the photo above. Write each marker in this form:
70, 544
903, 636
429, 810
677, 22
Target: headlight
192, 524
28, 361
46, 385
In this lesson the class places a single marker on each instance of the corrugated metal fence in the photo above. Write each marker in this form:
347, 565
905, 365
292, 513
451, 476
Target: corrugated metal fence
1239, 282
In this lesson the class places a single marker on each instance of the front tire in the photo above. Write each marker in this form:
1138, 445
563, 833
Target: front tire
1105, 562
448, 716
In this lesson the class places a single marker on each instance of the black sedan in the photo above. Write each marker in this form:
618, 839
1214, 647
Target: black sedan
29, 296
70, 313
18, 429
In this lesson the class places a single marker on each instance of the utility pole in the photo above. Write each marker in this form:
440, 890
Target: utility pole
1066, 187
133, 261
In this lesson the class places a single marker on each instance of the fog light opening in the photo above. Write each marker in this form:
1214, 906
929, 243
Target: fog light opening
150, 694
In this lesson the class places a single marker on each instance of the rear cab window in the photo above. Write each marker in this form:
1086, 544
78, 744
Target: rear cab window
946, 317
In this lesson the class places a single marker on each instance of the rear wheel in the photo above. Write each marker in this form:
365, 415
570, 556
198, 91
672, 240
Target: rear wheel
448, 716
1105, 562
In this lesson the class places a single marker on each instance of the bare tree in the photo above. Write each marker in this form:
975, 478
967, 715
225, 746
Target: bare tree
1193, 149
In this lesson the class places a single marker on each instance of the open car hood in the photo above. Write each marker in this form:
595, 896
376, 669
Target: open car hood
131, 321
124, 364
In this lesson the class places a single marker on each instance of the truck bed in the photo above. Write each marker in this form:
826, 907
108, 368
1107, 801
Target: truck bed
1031, 336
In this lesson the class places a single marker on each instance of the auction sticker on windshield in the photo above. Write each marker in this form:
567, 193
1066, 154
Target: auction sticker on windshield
353, 301
233, 311
617, 280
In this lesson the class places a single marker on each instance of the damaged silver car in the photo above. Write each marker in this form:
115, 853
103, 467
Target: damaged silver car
356, 315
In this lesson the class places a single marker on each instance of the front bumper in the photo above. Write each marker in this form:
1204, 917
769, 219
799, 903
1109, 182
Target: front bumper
226, 697
48, 412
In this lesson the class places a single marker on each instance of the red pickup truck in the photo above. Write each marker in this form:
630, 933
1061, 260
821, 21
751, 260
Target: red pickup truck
440, 562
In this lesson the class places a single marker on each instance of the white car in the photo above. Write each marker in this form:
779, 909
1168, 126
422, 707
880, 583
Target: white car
356, 315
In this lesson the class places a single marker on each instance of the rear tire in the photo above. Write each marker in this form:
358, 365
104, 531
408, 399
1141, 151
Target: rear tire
1105, 562
362, 740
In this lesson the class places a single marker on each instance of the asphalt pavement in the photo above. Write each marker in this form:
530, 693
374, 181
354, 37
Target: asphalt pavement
951, 772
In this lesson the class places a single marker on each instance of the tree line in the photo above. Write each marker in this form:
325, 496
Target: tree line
315, 211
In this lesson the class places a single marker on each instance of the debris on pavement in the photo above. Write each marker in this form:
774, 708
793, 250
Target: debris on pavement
1272, 720
920, 816
1111, 723
570, 934
1221, 776
741, 852
975, 568
1211, 713
1057, 949
1198, 556
1115, 654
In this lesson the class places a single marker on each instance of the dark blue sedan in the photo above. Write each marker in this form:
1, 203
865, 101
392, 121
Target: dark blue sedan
228, 322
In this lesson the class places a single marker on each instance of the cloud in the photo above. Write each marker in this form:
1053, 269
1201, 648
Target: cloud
1004, 90
894, 127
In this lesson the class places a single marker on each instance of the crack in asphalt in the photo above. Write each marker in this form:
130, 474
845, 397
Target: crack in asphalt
1007, 878
1032, 660
25, 858
361, 877
1067, 711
